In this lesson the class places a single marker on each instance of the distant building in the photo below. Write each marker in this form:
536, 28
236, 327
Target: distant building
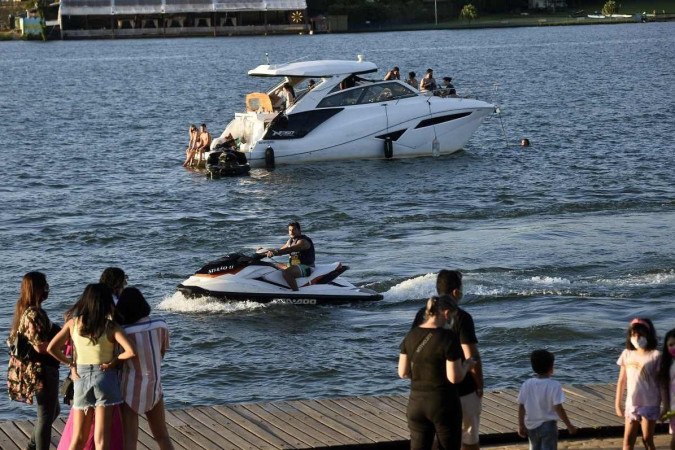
547, 4
135, 18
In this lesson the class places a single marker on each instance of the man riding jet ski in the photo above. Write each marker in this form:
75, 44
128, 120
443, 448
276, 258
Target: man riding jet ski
240, 277
300, 249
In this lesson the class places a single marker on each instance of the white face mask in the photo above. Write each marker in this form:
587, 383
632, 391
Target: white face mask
639, 342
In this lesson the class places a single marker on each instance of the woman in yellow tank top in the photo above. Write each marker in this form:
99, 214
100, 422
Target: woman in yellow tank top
97, 389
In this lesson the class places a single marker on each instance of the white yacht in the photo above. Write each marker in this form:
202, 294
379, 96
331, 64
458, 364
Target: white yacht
346, 116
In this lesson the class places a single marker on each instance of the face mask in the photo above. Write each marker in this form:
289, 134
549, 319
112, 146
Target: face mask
639, 342
671, 350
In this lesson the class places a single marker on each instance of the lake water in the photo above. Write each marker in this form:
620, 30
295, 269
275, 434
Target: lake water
561, 243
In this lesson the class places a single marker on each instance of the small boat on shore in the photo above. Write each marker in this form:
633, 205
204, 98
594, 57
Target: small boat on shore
340, 115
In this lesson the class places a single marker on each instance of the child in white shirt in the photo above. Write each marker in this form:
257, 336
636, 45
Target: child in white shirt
540, 405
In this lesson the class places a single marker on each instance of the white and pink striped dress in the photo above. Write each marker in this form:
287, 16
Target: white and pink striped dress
141, 376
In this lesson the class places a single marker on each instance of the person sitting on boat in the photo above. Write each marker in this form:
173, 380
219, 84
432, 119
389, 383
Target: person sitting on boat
428, 84
311, 84
287, 94
412, 80
300, 249
349, 82
190, 152
446, 89
393, 74
203, 143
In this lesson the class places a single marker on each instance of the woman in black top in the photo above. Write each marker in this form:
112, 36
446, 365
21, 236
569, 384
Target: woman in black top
431, 357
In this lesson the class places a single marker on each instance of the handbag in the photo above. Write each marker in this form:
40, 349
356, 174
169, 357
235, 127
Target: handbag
20, 348
67, 390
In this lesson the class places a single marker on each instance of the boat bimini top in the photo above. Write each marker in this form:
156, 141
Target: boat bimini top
316, 69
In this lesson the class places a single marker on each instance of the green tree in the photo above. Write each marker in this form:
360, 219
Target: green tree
609, 8
468, 13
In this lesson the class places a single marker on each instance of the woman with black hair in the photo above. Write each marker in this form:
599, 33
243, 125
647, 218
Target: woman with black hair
431, 357
141, 377
96, 387
115, 279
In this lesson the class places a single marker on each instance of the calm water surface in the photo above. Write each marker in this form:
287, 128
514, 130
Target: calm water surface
561, 243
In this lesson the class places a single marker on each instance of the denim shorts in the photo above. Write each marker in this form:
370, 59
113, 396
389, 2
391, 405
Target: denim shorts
96, 387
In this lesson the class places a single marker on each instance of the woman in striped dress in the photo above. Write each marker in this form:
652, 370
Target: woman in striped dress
141, 377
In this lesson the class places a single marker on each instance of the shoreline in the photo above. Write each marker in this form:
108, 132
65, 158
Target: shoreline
487, 23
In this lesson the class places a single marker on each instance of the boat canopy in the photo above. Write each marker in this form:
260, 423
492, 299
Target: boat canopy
325, 68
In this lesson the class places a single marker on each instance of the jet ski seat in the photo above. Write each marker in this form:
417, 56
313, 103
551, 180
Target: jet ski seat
318, 271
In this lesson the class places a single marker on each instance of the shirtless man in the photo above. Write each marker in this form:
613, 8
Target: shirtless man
428, 84
203, 142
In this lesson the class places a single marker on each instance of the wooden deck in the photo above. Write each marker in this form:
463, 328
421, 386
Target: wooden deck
341, 423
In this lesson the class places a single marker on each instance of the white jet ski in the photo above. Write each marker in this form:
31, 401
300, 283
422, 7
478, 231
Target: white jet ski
241, 277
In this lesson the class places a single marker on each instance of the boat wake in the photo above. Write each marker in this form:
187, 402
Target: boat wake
177, 302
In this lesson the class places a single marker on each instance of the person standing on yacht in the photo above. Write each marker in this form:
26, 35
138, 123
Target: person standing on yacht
412, 80
393, 74
428, 84
287, 94
300, 249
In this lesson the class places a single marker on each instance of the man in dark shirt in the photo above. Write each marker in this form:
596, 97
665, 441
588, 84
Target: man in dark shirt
300, 249
449, 282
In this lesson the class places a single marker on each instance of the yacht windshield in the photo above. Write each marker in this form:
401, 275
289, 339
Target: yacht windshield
373, 93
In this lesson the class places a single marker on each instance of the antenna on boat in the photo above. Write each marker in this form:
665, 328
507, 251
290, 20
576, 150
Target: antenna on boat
267, 57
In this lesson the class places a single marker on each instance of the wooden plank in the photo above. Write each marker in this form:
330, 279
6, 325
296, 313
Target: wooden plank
336, 427
381, 404
294, 429
15, 434
195, 435
281, 430
175, 425
397, 421
300, 421
499, 423
144, 429
591, 408
224, 430
341, 424
252, 432
6, 442
501, 413
319, 426
395, 403
26, 427
367, 417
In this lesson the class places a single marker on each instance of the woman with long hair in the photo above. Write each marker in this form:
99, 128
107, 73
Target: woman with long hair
432, 358
37, 376
97, 390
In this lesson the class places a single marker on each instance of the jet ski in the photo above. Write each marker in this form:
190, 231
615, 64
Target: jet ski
241, 277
